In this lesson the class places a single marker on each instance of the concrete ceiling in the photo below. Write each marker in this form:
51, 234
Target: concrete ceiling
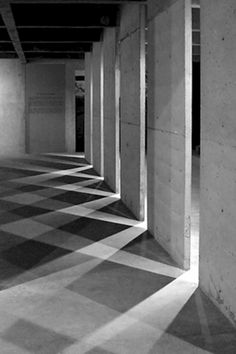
196, 33
61, 29
39, 29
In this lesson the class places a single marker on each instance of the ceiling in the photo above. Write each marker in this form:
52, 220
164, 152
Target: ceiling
55, 29
58, 29
196, 33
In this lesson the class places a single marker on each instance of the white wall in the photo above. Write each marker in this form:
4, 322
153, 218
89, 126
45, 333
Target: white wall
50, 102
12, 107
45, 97
218, 154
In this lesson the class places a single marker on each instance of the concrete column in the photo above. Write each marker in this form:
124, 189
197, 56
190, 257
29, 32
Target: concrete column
88, 108
97, 132
218, 154
169, 126
111, 110
14, 123
70, 106
132, 96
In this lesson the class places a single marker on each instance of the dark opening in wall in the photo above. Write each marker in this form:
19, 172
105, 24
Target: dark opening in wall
196, 87
196, 107
79, 112
196, 140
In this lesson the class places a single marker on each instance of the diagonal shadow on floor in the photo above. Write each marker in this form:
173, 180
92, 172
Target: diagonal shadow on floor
146, 246
49, 164
201, 323
36, 339
24, 260
76, 159
118, 208
97, 350
118, 286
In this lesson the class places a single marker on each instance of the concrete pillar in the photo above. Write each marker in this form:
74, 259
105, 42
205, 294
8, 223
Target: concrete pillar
169, 126
132, 96
14, 123
70, 106
88, 108
97, 132
111, 110
218, 154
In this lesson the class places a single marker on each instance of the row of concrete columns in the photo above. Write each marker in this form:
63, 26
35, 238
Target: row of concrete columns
115, 108
115, 117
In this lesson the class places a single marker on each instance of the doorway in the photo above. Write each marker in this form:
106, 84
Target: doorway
196, 148
79, 110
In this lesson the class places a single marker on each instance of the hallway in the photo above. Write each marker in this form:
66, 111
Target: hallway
80, 275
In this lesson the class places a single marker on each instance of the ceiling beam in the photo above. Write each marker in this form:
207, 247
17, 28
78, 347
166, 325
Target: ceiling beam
52, 60
8, 19
54, 51
97, 2
8, 55
53, 42
59, 27
81, 47
50, 57
54, 35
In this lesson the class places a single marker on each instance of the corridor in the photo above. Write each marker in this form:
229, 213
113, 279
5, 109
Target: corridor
80, 275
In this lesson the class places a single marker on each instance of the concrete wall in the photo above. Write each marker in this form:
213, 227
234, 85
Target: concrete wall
111, 110
218, 154
50, 103
169, 125
132, 96
88, 107
97, 73
12, 107
45, 97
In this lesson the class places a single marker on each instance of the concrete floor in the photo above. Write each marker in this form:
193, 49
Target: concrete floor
80, 275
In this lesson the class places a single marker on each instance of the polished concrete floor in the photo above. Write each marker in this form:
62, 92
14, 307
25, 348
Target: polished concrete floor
80, 275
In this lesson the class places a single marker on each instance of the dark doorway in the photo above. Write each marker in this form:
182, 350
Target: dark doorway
196, 51
79, 112
196, 140
196, 108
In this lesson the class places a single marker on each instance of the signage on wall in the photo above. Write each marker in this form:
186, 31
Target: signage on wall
42, 103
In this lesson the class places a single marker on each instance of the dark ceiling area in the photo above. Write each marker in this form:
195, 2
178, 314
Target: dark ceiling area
63, 29
42, 29
196, 40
